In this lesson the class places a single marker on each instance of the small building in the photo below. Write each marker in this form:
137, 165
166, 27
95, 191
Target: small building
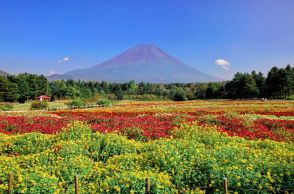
43, 97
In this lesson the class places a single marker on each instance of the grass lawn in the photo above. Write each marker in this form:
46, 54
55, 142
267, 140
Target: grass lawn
26, 106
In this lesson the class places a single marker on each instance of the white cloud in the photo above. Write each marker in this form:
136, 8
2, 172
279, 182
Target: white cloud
51, 72
65, 59
223, 63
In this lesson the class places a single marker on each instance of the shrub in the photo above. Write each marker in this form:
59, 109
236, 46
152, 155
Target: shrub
177, 94
112, 96
104, 102
134, 133
6, 106
144, 97
30, 143
76, 103
39, 105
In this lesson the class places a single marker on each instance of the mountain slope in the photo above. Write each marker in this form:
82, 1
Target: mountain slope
59, 77
142, 63
3, 73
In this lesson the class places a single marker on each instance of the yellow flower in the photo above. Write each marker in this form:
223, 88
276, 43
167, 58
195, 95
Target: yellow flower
34, 183
117, 188
23, 190
20, 179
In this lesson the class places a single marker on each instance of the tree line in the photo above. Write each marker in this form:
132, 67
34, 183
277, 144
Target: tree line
278, 84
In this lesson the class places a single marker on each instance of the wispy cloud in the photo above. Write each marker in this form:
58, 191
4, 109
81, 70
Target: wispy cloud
65, 59
223, 63
51, 72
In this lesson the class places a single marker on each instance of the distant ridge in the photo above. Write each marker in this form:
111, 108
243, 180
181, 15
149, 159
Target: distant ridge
59, 77
3, 73
144, 62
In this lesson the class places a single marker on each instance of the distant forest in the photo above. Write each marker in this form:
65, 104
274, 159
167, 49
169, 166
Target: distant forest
278, 84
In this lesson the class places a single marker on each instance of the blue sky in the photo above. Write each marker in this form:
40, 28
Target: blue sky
61, 35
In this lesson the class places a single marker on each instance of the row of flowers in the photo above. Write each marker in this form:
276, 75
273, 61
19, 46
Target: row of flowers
196, 159
150, 125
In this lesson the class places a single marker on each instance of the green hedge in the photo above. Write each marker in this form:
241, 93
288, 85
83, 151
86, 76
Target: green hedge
6, 106
39, 105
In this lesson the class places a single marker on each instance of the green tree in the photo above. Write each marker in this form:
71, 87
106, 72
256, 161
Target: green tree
213, 90
118, 92
132, 87
249, 89
260, 84
277, 83
200, 90
177, 94
289, 80
8, 90
242, 86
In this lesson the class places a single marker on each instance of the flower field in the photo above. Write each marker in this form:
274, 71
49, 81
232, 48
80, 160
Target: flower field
183, 147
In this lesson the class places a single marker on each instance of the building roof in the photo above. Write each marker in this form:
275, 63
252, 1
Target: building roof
43, 97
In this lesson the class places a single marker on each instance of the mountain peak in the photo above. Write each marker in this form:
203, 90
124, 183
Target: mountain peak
142, 53
146, 47
143, 62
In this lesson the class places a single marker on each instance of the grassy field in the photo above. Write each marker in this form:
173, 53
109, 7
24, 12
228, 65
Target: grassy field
26, 106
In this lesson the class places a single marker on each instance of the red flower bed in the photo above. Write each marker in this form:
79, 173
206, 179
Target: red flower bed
274, 124
149, 125
236, 126
282, 128
21, 124
286, 113
152, 126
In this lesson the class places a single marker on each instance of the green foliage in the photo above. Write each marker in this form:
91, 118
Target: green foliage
177, 94
279, 83
144, 97
111, 97
42, 179
6, 106
134, 133
118, 92
8, 90
29, 86
104, 102
214, 90
132, 87
39, 105
190, 95
103, 147
75, 131
30, 143
76, 103
243, 86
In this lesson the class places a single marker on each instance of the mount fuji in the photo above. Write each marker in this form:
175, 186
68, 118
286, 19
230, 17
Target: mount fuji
144, 62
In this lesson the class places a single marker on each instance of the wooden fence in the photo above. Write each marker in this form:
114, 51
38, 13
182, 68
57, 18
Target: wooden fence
225, 188
73, 107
